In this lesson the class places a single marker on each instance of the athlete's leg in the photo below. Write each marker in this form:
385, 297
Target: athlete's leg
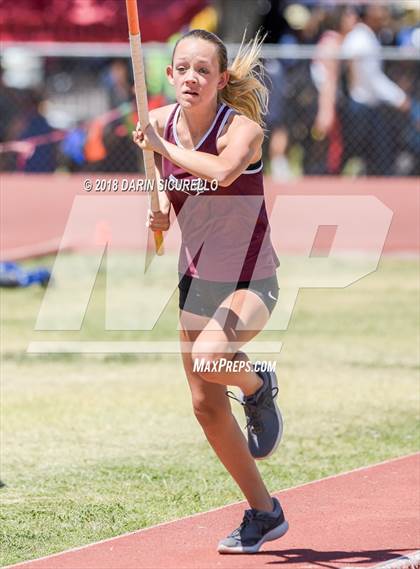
212, 410
239, 318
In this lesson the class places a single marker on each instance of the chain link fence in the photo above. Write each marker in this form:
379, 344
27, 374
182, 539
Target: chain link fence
76, 112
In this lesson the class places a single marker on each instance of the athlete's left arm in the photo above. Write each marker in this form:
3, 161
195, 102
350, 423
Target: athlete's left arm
244, 139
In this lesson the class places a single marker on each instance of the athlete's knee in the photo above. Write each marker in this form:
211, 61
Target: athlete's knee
209, 358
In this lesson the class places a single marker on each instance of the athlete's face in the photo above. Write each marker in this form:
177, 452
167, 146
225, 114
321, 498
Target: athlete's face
195, 73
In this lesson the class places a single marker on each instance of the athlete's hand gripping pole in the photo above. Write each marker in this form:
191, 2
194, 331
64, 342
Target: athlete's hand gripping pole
142, 107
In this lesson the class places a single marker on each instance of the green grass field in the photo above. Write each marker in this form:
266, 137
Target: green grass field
94, 446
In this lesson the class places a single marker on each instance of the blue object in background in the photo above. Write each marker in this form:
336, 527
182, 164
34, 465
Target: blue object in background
413, 132
12, 275
406, 37
73, 145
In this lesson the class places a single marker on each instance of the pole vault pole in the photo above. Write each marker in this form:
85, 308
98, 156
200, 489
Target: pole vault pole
142, 107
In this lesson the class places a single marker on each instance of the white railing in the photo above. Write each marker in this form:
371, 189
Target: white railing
270, 51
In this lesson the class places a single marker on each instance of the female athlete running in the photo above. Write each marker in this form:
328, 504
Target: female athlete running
227, 267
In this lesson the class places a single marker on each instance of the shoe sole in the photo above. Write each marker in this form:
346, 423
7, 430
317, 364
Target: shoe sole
273, 381
273, 534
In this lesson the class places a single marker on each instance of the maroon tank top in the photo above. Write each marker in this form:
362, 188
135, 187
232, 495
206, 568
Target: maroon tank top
225, 231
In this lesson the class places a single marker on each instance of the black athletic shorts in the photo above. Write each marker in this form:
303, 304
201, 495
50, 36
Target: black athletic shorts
204, 297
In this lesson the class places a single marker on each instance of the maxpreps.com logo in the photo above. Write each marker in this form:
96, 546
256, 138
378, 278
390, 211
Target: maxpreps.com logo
201, 365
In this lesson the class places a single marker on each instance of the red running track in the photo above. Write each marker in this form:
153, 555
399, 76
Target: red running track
357, 519
36, 208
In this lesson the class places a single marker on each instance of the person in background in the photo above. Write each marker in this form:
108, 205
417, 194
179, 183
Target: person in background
276, 123
43, 158
327, 147
117, 83
108, 146
367, 133
288, 80
11, 121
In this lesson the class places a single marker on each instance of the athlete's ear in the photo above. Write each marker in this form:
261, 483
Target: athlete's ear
170, 74
224, 80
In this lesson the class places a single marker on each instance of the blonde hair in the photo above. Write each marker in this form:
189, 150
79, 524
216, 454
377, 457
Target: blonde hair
245, 91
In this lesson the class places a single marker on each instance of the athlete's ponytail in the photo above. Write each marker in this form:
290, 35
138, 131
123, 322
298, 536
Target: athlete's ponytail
246, 91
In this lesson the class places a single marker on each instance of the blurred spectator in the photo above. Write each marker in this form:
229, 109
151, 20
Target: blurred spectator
367, 134
10, 102
276, 121
288, 83
8, 107
108, 146
326, 151
117, 83
309, 100
43, 158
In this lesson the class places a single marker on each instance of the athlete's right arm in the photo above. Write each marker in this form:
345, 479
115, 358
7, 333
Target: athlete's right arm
159, 220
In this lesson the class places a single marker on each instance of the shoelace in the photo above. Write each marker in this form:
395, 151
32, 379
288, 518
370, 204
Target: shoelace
248, 517
253, 410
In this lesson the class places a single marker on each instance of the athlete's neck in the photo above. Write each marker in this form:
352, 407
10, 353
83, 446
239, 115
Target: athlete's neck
197, 121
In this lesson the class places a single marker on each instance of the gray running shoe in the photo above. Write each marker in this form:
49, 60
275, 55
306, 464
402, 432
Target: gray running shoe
256, 528
265, 423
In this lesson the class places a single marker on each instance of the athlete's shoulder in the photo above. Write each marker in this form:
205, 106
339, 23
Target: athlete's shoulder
240, 123
161, 115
